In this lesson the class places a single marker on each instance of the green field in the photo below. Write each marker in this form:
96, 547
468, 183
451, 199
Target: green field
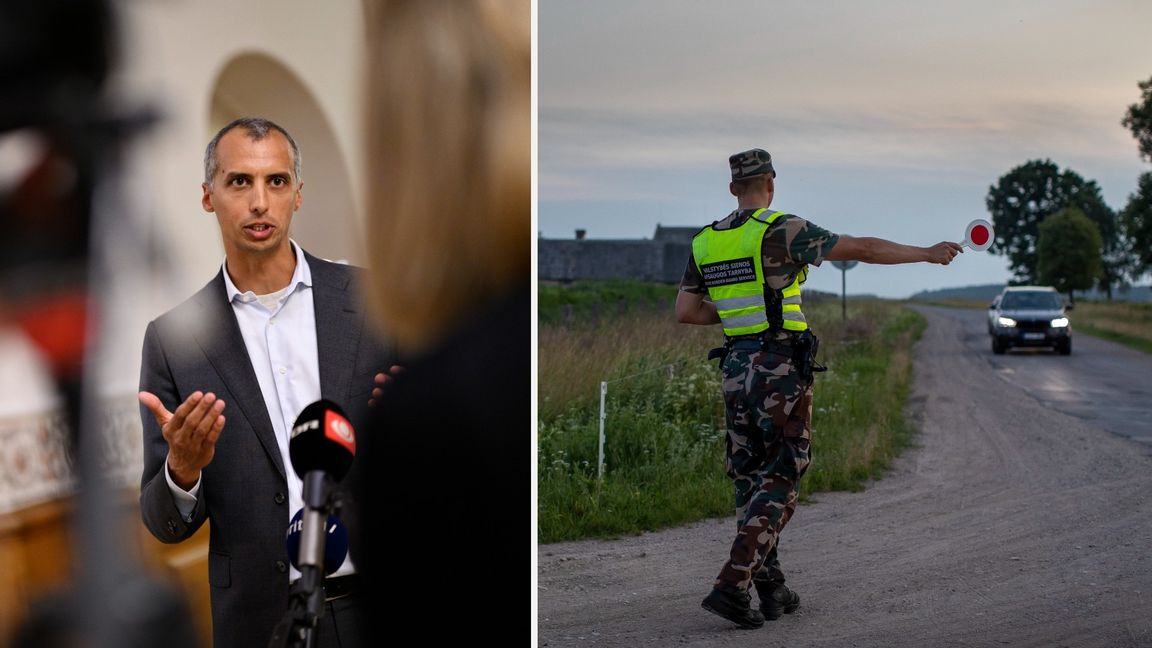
665, 427
1127, 323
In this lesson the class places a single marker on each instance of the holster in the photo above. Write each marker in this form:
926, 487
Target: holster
719, 353
805, 345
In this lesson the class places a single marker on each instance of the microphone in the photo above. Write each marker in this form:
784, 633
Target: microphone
335, 543
321, 447
322, 440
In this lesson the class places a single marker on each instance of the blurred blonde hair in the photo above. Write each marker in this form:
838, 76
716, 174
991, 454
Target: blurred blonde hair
449, 160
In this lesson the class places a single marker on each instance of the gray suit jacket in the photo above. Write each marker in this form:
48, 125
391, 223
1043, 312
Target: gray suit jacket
243, 491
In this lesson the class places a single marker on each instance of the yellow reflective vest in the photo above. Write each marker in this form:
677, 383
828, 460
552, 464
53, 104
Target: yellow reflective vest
731, 263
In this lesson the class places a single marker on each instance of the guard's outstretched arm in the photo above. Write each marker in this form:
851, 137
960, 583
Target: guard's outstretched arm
870, 249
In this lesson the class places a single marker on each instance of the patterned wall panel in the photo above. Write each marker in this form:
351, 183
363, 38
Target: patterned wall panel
37, 463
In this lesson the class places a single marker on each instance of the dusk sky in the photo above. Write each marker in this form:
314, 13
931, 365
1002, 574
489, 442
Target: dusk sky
884, 118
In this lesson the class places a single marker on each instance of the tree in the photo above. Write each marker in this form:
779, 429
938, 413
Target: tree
1136, 221
1027, 195
1138, 119
1068, 251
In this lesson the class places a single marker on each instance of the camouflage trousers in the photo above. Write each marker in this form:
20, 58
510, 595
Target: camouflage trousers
769, 411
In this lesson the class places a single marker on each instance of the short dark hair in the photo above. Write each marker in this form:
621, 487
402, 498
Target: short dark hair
256, 128
742, 186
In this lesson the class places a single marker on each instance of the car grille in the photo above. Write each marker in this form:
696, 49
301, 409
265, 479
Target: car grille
1033, 325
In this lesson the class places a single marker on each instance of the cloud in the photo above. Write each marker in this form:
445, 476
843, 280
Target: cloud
578, 146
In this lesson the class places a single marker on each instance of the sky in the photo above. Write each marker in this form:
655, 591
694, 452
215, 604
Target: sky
884, 118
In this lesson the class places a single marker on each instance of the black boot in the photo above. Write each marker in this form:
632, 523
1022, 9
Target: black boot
776, 599
734, 605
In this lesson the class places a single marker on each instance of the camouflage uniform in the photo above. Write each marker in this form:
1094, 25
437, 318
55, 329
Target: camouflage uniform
768, 408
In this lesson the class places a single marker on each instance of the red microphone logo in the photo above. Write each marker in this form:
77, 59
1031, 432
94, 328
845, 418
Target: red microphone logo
338, 429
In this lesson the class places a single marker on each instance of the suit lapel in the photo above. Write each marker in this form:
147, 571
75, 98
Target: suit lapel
225, 349
338, 324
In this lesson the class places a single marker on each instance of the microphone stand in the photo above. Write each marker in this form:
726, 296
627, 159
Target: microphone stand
298, 628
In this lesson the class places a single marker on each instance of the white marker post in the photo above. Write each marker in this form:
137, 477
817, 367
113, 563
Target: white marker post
979, 235
603, 415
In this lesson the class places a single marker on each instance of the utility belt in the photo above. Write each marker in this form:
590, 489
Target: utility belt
800, 346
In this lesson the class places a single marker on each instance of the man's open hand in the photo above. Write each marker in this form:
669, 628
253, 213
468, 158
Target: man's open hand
191, 432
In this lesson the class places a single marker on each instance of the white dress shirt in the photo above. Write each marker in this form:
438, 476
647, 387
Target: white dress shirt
279, 331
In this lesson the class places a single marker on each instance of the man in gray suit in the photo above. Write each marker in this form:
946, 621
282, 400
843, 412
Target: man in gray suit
224, 376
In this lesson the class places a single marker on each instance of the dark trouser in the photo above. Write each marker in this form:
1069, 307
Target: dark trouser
765, 501
342, 624
768, 410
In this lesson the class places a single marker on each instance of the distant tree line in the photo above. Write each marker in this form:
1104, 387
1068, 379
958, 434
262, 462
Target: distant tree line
1056, 229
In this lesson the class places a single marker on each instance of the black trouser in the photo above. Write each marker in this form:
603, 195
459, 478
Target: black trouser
342, 623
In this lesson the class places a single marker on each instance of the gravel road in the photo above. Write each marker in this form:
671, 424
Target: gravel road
1020, 520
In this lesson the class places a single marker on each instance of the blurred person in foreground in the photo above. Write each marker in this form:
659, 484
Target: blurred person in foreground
448, 504
276, 330
67, 245
745, 273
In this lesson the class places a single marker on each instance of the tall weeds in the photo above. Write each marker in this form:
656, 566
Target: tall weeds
665, 428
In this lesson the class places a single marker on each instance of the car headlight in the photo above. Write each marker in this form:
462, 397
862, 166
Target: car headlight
1060, 322
1005, 321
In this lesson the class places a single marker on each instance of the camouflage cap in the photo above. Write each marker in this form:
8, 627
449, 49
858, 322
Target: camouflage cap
749, 164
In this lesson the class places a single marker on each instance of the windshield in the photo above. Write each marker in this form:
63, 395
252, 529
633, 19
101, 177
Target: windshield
1039, 300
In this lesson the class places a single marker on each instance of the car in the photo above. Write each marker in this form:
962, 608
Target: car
1028, 316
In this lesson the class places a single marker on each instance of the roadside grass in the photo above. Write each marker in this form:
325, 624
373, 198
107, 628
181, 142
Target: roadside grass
573, 360
858, 420
661, 457
1127, 323
665, 422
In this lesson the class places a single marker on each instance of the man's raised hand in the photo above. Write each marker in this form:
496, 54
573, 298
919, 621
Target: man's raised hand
191, 432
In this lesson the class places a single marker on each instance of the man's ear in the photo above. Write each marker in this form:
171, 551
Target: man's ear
206, 198
732, 189
299, 197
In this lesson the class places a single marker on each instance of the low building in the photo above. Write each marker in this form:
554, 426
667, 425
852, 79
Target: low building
660, 258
